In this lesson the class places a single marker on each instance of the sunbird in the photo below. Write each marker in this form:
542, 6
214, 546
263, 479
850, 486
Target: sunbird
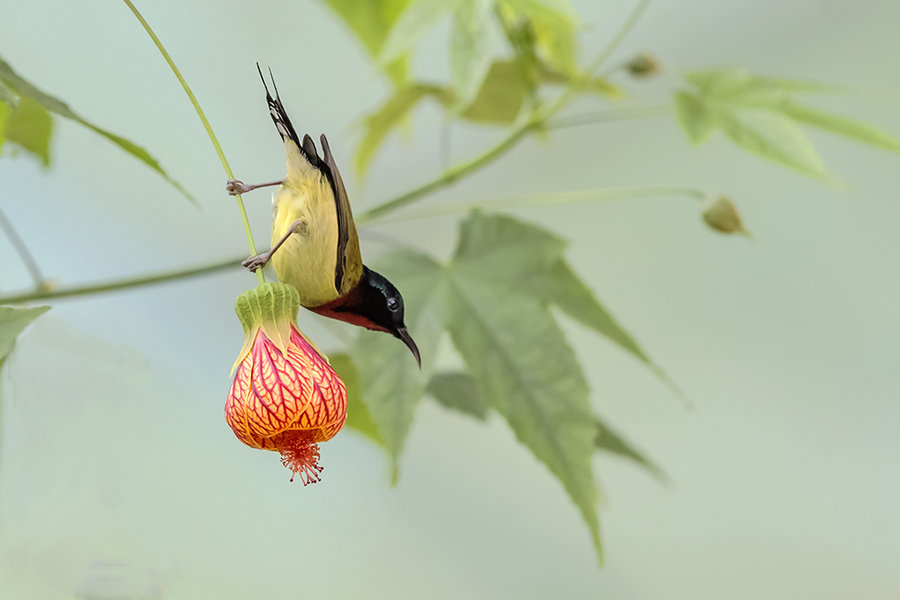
315, 247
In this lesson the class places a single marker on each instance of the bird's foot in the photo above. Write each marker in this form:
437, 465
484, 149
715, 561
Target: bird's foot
256, 262
235, 187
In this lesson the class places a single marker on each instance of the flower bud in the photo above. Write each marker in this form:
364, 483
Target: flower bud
643, 66
722, 215
285, 397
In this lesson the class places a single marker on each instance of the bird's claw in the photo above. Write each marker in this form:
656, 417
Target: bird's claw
256, 262
235, 187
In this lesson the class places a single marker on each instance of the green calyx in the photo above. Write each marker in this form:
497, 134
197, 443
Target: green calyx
270, 307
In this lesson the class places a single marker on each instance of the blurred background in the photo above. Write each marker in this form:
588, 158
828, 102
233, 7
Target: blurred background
120, 479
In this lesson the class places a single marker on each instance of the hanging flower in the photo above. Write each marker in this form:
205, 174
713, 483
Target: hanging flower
285, 396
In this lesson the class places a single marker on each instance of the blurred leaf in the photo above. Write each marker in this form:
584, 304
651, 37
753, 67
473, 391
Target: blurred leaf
457, 391
841, 126
29, 125
24, 89
501, 95
738, 83
412, 24
358, 416
470, 48
776, 138
8, 96
560, 10
4, 113
695, 117
520, 359
392, 113
386, 370
12, 322
556, 43
734, 100
553, 23
372, 22
608, 440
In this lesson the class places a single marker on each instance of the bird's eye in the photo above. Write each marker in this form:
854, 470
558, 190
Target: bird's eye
393, 305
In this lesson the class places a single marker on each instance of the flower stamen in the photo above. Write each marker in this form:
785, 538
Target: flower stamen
301, 456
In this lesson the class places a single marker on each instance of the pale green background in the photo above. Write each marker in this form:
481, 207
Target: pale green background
120, 477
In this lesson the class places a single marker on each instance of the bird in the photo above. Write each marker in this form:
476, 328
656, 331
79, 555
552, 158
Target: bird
315, 246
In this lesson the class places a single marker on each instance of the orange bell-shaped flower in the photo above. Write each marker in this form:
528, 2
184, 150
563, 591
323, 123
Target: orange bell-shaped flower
285, 396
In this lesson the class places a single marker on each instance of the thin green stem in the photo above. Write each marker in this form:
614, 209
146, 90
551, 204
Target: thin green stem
573, 197
613, 114
121, 284
535, 121
206, 125
447, 177
22, 250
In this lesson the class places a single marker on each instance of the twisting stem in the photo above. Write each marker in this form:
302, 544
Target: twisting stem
535, 121
206, 125
121, 284
22, 250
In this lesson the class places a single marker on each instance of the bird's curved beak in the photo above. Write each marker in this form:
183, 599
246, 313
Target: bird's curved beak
403, 334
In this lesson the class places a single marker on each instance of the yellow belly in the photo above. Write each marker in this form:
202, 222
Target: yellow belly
307, 259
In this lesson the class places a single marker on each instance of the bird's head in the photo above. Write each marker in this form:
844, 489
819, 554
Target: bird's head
383, 306
374, 303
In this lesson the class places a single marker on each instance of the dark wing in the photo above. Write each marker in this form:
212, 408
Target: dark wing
348, 267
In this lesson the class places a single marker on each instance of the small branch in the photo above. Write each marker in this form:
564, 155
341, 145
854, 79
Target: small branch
209, 131
121, 284
573, 197
22, 250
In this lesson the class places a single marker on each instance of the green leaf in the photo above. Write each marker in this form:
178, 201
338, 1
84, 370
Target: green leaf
697, 120
559, 10
548, 28
529, 258
775, 138
29, 125
561, 286
501, 96
386, 370
8, 96
841, 126
12, 322
520, 359
372, 22
739, 84
470, 48
607, 440
4, 113
391, 114
25, 89
412, 24
358, 416
555, 39
458, 391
